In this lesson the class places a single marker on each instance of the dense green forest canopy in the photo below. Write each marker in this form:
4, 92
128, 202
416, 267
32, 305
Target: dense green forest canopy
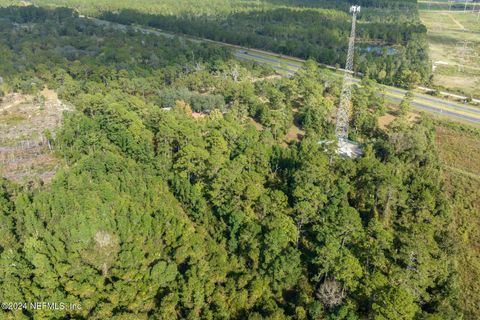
215, 7
157, 214
391, 40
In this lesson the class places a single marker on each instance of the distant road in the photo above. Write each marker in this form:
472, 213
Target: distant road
290, 65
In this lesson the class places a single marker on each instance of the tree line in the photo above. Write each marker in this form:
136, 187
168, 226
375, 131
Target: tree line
392, 45
317, 34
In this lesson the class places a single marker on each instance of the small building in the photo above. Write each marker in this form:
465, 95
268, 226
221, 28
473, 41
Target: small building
197, 115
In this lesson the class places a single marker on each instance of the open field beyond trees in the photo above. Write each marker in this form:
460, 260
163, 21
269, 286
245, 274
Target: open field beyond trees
454, 42
459, 150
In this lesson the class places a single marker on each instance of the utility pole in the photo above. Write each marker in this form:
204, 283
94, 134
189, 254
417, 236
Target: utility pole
463, 48
346, 147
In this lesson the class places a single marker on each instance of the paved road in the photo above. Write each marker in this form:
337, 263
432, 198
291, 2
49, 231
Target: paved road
437, 101
421, 101
439, 111
254, 56
290, 65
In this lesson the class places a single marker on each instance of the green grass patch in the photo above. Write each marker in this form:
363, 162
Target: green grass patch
11, 119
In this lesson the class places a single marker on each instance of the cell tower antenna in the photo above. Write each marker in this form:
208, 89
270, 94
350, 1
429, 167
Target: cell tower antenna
346, 147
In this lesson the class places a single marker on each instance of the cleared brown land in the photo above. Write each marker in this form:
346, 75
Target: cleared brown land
27, 123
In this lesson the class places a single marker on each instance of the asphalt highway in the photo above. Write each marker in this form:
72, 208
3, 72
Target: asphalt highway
421, 101
290, 65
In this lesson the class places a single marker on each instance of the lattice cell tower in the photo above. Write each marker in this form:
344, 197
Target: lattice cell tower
346, 147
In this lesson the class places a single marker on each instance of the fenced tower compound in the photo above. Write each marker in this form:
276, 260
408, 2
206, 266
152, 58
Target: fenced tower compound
346, 147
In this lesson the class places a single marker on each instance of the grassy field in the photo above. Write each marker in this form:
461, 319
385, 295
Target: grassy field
459, 149
456, 65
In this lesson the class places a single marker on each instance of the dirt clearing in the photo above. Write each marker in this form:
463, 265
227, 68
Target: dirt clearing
27, 125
